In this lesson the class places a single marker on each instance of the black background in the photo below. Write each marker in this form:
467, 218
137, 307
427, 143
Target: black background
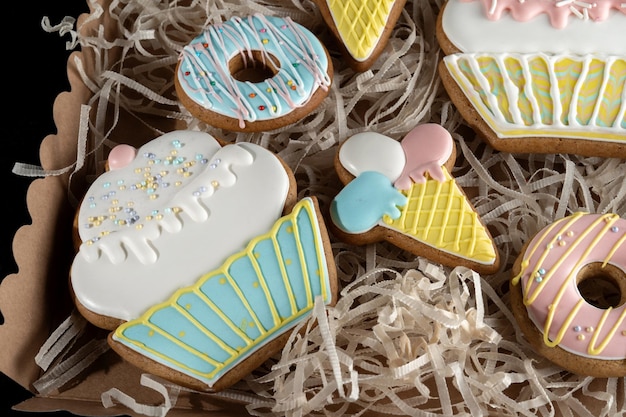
34, 73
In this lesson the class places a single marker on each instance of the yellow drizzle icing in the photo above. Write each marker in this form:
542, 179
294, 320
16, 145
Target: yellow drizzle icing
539, 276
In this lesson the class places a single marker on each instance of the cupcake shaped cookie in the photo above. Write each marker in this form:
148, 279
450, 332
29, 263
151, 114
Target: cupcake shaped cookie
197, 259
541, 76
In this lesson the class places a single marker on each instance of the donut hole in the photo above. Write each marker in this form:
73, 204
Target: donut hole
253, 67
602, 287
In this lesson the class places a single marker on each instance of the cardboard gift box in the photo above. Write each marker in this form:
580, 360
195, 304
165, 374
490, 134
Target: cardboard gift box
50, 350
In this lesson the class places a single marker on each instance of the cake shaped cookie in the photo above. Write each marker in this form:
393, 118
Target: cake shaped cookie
362, 27
538, 76
403, 193
253, 73
194, 254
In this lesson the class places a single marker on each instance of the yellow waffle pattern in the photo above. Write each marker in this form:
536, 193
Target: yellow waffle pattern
360, 23
439, 215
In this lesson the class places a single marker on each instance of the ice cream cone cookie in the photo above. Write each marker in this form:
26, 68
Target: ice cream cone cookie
193, 253
568, 293
402, 192
538, 76
254, 73
362, 27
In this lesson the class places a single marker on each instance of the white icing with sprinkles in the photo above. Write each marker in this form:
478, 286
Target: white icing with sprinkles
178, 210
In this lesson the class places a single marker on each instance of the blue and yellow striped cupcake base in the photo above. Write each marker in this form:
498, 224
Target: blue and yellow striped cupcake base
542, 102
205, 330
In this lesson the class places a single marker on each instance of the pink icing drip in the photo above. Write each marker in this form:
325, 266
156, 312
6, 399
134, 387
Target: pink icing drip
557, 10
427, 147
120, 156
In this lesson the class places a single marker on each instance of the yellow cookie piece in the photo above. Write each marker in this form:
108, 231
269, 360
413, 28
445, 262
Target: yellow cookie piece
362, 26
440, 215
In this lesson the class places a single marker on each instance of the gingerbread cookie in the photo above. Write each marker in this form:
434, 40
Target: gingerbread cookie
402, 192
195, 256
254, 73
540, 76
362, 27
586, 336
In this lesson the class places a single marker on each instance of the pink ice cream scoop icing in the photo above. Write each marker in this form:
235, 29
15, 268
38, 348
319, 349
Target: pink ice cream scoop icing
558, 11
426, 147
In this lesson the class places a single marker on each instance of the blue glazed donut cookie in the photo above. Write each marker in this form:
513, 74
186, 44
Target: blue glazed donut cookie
253, 73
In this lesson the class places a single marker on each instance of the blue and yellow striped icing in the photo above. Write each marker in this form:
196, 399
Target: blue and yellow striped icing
541, 95
206, 329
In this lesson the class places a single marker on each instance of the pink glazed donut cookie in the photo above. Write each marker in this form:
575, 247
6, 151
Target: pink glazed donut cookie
252, 74
569, 293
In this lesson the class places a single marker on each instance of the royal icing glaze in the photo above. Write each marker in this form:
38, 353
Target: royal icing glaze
298, 57
418, 199
362, 152
429, 146
360, 24
471, 29
178, 210
548, 278
558, 11
572, 88
522, 95
208, 328
120, 156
